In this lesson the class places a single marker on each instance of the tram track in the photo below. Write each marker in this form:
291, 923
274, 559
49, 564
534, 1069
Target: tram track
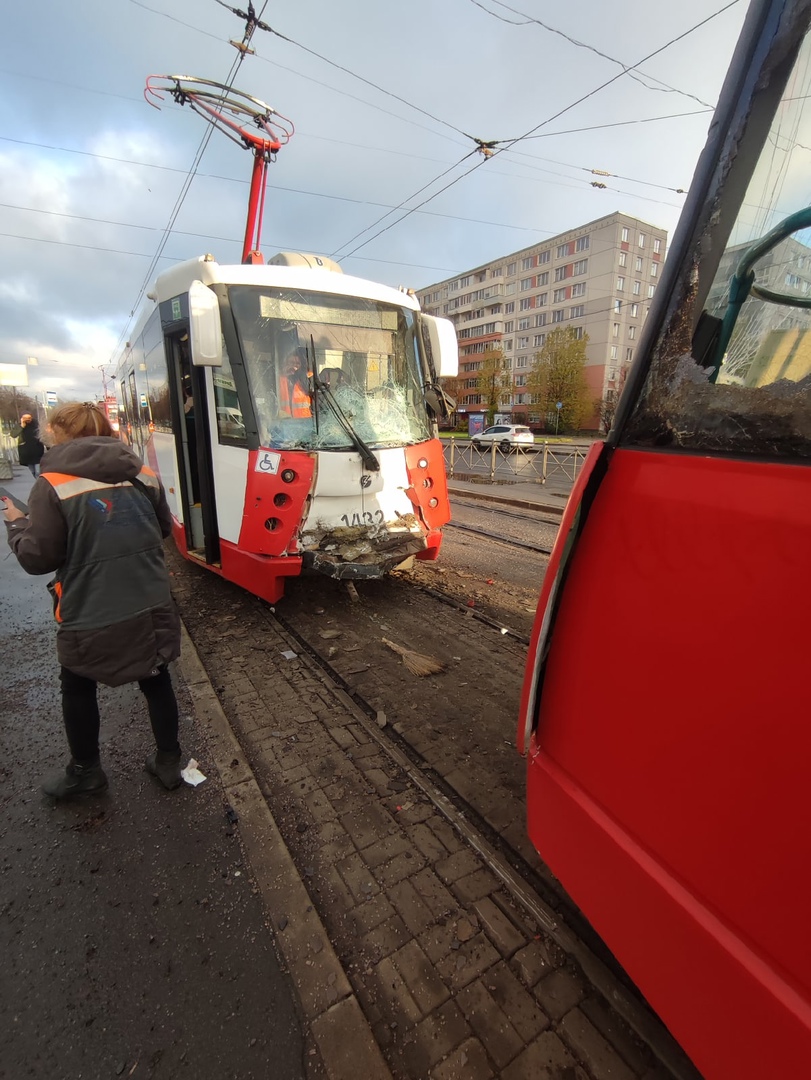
498, 538
548, 905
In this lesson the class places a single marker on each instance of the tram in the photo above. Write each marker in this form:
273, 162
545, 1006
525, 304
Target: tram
288, 409
664, 711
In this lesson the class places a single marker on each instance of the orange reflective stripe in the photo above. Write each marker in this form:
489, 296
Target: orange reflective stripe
58, 608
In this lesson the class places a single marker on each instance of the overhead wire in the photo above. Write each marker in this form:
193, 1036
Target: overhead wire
629, 69
498, 149
186, 184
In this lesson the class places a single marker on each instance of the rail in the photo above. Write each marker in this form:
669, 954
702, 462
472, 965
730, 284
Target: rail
535, 464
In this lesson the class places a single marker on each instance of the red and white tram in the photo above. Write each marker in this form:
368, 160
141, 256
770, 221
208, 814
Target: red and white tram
288, 409
665, 710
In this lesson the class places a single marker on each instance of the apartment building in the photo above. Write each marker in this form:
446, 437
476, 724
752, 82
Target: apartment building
598, 279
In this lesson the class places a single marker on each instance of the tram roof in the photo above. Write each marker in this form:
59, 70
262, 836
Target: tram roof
177, 279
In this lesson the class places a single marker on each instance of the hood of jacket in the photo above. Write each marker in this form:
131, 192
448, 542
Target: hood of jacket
100, 457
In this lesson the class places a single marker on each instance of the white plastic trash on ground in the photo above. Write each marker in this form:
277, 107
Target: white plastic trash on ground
191, 774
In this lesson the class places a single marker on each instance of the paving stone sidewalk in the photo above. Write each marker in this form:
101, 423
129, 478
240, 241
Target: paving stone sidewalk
454, 978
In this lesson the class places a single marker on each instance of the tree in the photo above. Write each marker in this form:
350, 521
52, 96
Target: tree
608, 406
493, 382
13, 403
558, 375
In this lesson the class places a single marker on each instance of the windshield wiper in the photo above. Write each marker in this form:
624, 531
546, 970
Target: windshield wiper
370, 462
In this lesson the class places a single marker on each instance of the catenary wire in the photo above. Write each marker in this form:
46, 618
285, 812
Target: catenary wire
630, 70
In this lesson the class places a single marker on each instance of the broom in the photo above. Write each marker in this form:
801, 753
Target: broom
416, 663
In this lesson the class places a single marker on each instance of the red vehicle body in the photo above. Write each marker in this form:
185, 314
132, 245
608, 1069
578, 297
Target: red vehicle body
665, 705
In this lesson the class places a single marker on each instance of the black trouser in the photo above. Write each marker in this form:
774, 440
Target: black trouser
80, 712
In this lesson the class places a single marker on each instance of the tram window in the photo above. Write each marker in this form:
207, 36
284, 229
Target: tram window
230, 423
373, 344
744, 386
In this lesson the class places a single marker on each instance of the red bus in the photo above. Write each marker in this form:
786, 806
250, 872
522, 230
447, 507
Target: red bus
665, 711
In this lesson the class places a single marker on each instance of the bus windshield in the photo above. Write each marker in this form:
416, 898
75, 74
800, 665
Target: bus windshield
321, 365
744, 387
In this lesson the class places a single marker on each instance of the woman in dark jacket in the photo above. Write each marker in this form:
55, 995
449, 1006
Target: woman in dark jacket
98, 517
29, 447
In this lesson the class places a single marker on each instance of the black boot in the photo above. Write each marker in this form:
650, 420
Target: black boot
165, 765
87, 779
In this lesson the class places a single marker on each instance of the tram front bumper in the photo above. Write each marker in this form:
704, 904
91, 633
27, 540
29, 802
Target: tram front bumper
346, 554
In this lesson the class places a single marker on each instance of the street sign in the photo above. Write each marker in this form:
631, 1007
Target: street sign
50, 398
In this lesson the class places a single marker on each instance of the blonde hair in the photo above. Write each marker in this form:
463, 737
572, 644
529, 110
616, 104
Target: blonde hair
79, 420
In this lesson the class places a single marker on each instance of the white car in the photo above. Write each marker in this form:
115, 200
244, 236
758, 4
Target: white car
506, 436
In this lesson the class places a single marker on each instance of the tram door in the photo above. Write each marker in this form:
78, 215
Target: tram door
193, 449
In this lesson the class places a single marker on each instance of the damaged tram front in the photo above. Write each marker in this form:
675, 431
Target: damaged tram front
289, 411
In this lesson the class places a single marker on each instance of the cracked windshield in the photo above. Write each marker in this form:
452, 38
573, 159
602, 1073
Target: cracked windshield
326, 370
744, 385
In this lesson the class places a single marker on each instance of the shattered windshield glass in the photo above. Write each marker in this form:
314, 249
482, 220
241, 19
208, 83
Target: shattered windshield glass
325, 367
742, 383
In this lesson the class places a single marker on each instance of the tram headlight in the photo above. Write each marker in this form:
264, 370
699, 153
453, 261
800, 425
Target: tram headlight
423, 463
288, 476
433, 502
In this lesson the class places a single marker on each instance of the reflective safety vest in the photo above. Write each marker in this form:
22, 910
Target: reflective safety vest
293, 398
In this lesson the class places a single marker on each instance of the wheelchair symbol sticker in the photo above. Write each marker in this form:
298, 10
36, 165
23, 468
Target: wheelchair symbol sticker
267, 462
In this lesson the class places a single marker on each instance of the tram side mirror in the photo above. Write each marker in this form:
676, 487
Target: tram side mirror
444, 347
204, 326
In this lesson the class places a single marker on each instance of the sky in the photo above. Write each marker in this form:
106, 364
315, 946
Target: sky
387, 102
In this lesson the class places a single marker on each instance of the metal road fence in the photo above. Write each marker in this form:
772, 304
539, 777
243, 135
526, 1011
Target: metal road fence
541, 463
8, 456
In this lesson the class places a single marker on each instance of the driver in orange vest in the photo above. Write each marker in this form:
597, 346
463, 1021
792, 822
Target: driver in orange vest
294, 394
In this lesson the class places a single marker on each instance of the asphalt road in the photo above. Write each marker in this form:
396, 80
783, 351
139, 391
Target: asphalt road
132, 936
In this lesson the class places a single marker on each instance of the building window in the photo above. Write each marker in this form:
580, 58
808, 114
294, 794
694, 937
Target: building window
581, 267
520, 380
654, 269
657, 245
522, 343
641, 239
634, 310
509, 308
620, 284
557, 316
562, 252
464, 282
623, 259
637, 288
629, 355
540, 320
538, 340
579, 289
528, 263
540, 299
523, 324
615, 330
617, 307
560, 273
638, 265
543, 257
527, 283
508, 345
543, 279
577, 312
578, 333
631, 333
625, 236
651, 291
510, 269
581, 243
558, 296
525, 304
508, 327
614, 352
497, 271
